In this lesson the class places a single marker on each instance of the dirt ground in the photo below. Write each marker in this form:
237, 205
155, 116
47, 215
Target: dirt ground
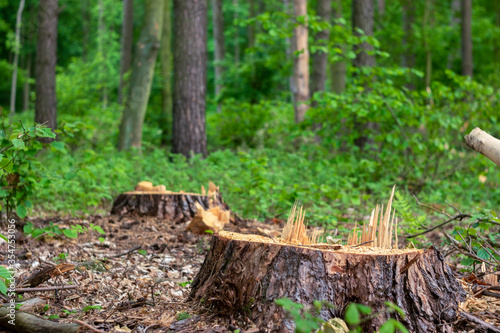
138, 279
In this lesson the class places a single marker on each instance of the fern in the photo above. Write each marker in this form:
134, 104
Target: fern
412, 222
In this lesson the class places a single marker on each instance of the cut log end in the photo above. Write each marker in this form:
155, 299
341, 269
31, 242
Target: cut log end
247, 273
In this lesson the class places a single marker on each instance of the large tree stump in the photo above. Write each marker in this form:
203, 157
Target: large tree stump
173, 207
247, 273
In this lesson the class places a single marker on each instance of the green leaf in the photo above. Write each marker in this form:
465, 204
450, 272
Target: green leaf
4, 238
18, 143
21, 211
70, 233
5, 273
352, 316
396, 308
484, 254
467, 261
387, 327
3, 288
364, 309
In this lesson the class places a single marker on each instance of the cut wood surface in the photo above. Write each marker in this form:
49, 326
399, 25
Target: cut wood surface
485, 144
247, 273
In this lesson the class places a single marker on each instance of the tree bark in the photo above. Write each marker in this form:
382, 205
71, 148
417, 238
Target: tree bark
408, 57
247, 273
16, 58
320, 58
485, 144
102, 54
467, 62
46, 60
142, 76
455, 19
190, 63
362, 18
236, 34
220, 52
127, 40
337, 69
166, 70
301, 62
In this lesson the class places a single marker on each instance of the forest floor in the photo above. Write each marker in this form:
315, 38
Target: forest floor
138, 280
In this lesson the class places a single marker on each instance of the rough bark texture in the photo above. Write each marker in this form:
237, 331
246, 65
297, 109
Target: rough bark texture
467, 63
320, 58
127, 39
337, 69
190, 76
166, 70
220, 51
146, 52
176, 207
362, 18
46, 59
246, 273
301, 62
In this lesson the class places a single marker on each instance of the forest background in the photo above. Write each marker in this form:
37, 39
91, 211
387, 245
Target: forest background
389, 89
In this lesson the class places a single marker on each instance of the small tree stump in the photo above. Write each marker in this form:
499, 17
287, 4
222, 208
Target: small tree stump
247, 273
173, 207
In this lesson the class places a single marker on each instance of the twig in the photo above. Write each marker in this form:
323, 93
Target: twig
93, 329
468, 254
455, 208
30, 290
456, 217
430, 207
408, 265
477, 321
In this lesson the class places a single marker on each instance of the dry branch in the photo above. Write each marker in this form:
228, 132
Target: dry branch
485, 144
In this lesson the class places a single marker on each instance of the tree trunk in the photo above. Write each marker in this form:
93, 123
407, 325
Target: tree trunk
467, 62
337, 69
290, 49
455, 19
301, 62
218, 34
26, 90
362, 18
408, 57
127, 40
247, 273
381, 8
190, 75
146, 52
16, 58
166, 70
46, 60
320, 58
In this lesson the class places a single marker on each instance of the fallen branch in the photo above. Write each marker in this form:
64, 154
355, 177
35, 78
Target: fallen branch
485, 144
23, 322
485, 326
456, 217
30, 290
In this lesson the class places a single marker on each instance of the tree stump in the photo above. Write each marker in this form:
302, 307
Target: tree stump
173, 207
247, 273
